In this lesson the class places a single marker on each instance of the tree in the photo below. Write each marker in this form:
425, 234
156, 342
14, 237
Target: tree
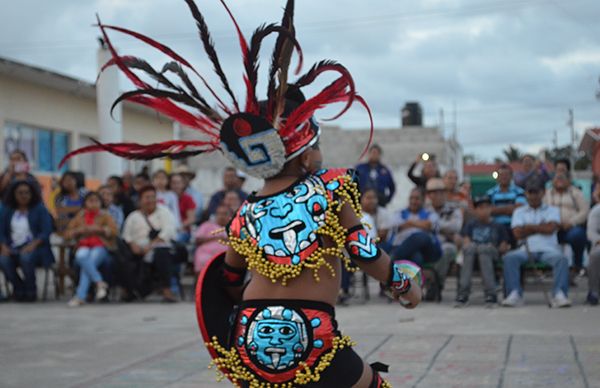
512, 154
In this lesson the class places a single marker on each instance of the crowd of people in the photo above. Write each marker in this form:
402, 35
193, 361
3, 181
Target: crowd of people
531, 216
138, 233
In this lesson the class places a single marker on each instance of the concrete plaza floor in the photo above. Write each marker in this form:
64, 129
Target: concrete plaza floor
154, 345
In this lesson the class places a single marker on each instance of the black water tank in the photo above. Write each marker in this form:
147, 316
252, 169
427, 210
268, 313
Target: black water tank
412, 114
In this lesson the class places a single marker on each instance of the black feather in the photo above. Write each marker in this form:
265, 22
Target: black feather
210, 49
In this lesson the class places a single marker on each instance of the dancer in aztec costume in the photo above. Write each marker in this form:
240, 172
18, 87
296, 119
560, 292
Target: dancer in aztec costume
265, 307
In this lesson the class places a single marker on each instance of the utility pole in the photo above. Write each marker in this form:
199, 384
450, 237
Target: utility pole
571, 124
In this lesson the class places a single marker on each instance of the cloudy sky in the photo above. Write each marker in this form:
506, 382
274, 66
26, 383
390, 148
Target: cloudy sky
510, 69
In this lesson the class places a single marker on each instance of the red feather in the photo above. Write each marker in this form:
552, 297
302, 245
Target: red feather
173, 148
164, 49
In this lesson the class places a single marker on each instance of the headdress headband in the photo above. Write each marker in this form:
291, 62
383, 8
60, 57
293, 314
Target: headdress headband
258, 137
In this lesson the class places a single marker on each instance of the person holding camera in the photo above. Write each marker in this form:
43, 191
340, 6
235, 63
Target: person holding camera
149, 232
428, 171
17, 170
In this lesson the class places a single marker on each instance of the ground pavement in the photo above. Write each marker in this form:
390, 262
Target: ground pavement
154, 345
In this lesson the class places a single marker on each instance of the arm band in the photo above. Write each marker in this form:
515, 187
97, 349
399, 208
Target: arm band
398, 281
360, 245
231, 276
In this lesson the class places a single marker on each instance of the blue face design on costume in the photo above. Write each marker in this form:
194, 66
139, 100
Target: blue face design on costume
278, 338
277, 342
285, 225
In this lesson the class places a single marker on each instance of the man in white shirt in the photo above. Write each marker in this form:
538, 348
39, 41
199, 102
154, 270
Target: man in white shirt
536, 225
149, 232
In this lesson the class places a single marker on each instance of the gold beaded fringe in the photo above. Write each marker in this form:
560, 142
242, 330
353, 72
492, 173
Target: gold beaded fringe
346, 193
230, 361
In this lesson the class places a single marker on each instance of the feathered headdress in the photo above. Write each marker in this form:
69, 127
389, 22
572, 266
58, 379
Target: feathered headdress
258, 137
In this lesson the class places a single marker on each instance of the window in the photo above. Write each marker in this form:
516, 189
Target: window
44, 148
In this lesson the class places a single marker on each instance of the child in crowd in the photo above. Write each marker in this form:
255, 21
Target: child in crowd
484, 241
209, 235
164, 196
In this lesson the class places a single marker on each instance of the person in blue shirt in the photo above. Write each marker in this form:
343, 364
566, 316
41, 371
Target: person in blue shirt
25, 228
505, 198
374, 174
414, 235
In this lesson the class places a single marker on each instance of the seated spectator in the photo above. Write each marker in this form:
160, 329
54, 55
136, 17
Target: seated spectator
506, 197
413, 234
149, 232
483, 241
450, 221
454, 197
164, 196
593, 234
17, 170
429, 170
108, 204
376, 175
573, 209
231, 181
209, 235
531, 168
465, 189
94, 231
140, 181
536, 224
232, 200
186, 207
25, 228
188, 176
69, 200
122, 199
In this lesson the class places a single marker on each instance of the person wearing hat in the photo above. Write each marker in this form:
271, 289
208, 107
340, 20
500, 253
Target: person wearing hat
450, 221
413, 230
535, 226
483, 240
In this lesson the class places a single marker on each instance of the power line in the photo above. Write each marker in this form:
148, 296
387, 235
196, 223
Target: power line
315, 26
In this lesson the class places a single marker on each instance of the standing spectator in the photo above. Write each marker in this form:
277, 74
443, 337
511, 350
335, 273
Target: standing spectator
536, 224
17, 170
164, 196
208, 237
413, 234
531, 168
188, 176
149, 232
430, 170
450, 222
573, 214
187, 208
122, 197
95, 233
140, 181
25, 228
562, 166
108, 203
69, 200
593, 234
376, 175
484, 241
506, 197
231, 181
454, 197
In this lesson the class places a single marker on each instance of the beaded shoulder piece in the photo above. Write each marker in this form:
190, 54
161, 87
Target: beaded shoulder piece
282, 234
